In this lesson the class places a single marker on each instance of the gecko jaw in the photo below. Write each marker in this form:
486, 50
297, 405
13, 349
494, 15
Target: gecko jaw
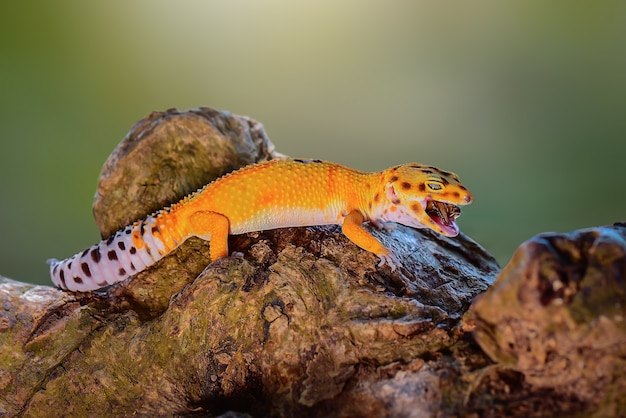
444, 215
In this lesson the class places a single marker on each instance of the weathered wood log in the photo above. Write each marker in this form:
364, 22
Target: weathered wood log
304, 323
557, 316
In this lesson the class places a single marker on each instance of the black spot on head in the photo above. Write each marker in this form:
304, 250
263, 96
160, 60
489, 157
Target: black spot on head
133, 250
376, 197
112, 255
456, 194
110, 240
393, 169
416, 166
422, 187
370, 205
444, 181
406, 185
122, 272
317, 161
395, 201
393, 178
95, 255
298, 160
121, 245
462, 187
85, 268
427, 171
78, 280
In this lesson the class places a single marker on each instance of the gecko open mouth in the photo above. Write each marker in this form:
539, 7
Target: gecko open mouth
442, 213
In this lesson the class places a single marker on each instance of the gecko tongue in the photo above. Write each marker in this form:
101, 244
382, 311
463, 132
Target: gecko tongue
444, 215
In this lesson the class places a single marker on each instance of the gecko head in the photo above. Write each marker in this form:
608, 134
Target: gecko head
423, 196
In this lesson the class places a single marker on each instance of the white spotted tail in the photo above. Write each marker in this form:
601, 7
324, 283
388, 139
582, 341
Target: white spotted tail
110, 261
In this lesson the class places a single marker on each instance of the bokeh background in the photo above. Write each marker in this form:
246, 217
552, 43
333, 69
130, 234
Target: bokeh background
525, 100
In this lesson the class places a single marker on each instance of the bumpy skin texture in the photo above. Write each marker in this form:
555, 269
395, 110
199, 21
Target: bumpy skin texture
274, 194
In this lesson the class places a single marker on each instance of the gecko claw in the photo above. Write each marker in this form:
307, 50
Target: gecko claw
384, 226
390, 260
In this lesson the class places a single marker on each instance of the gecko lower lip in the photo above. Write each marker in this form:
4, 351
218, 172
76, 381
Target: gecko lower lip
445, 213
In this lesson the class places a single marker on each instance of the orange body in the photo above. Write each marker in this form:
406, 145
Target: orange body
275, 194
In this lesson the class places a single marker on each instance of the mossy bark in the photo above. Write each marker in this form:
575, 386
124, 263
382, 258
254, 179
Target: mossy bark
301, 322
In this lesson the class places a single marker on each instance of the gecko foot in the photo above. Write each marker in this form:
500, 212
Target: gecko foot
384, 226
390, 260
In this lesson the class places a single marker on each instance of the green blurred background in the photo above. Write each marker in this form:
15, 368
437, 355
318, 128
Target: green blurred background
525, 100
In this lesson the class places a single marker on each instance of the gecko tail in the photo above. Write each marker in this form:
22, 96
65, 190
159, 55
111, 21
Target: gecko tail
121, 256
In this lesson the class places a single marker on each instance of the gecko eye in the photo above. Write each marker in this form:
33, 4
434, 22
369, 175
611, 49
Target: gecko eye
434, 185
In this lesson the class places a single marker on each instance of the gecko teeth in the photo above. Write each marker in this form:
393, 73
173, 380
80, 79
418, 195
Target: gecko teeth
445, 212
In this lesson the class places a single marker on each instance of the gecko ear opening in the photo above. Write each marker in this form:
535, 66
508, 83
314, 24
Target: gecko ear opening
391, 193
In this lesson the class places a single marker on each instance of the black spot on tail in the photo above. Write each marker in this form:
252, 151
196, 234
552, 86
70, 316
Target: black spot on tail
84, 253
95, 255
111, 239
78, 280
121, 245
62, 277
133, 250
112, 255
85, 268
122, 272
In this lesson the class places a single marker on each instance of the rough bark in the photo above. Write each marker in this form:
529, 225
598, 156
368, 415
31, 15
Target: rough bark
556, 315
302, 322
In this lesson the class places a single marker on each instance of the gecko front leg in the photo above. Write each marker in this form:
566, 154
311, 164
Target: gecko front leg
352, 228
